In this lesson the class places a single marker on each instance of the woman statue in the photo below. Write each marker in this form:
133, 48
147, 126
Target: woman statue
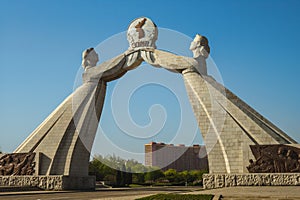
89, 58
201, 50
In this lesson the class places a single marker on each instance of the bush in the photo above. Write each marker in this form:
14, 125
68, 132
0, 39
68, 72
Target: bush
152, 176
178, 197
138, 178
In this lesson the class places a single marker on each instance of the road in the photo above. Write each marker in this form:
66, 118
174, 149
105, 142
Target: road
116, 193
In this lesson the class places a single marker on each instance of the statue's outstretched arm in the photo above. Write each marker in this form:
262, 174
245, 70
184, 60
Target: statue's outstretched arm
173, 62
107, 70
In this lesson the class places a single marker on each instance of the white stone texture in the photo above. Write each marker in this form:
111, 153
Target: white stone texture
228, 125
211, 181
49, 182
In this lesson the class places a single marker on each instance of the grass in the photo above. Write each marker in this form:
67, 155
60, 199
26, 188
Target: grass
178, 197
136, 185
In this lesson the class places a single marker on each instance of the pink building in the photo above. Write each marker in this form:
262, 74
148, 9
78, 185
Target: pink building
179, 157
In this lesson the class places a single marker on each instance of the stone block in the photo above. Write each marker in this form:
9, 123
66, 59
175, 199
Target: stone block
289, 179
265, 179
55, 182
43, 182
244, 180
83, 183
33, 181
208, 181
284, 179
230, 180
219, 180
4, 181
255, 179
297, 179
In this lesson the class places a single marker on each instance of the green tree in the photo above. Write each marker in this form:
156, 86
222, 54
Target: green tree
128, 176
113, 169
185, 176
152, 176
196, 176
171, 175
138, 178
138, 168
95, 169
119, 178
123, 175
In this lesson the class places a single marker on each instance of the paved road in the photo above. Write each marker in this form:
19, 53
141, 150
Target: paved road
264, 192
116, 194
255, 192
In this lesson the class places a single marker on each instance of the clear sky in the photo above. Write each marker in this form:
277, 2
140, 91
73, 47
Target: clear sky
255, 45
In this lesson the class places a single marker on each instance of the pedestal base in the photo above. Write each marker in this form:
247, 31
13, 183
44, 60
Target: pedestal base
53, 182
211, 181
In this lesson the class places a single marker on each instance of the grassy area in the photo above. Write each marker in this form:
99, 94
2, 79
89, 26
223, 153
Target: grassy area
178, 197
136, 185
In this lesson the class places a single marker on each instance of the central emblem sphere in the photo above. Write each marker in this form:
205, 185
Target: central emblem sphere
141, 33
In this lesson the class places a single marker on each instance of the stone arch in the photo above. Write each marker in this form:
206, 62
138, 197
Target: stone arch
57, 138
65, 138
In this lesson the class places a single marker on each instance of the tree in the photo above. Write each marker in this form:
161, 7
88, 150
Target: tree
123, 175
171, 175
100, 170
114, 169
185, 176
119, 178
138, 178
196, 176
128, 176
152, 176
95, 169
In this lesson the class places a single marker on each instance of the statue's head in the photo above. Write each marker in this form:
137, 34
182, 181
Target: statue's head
199, 46
89, 58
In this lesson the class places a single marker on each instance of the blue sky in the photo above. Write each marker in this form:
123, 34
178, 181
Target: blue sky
255, 45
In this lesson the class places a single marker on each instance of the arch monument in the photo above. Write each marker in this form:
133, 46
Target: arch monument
56, 154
